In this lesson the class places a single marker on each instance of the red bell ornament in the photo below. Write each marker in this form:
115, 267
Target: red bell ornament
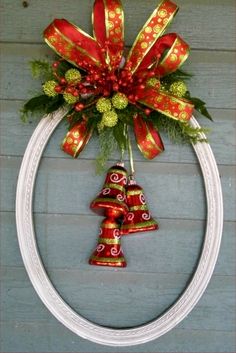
138, 219
111, 201
108, 251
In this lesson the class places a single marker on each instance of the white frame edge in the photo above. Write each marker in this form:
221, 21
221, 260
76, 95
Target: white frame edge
45, 289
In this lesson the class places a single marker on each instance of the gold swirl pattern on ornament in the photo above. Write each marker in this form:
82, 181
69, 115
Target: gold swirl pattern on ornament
114, 177
100, 247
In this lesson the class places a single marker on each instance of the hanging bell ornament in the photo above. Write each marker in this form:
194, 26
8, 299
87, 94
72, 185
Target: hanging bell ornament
108, 251
138, 219
111, 201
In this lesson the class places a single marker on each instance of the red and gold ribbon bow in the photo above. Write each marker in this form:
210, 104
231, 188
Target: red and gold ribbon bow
152, 55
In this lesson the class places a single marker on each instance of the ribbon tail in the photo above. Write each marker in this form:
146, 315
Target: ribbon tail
147, 137
73, 44
77, 138
108, 29
167, 104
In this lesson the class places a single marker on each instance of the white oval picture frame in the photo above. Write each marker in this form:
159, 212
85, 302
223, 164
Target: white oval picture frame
44, 287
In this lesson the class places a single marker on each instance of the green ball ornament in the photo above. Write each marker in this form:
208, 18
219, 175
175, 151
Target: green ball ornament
178, 88
49, 88
69, 98
73, 76
153, 82
120, 101
103, 105
109, 119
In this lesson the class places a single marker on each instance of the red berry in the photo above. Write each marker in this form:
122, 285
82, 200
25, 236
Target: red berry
79, 107
106, 93
147, 111
151, 74
63, 81
58, 89
55, 64
113, 77
115, 87
69, 90
75, 93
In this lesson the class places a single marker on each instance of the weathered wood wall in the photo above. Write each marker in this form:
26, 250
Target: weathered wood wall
159, 264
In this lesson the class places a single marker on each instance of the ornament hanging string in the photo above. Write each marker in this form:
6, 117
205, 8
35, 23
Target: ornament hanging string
130, 151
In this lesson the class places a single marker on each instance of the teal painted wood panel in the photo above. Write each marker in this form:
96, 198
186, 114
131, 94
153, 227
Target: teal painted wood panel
160, 263
207, 24
132, 298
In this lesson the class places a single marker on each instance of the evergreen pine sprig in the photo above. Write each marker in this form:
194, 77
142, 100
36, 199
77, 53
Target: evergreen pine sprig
40, 104
41, 69
108, 144
177, 131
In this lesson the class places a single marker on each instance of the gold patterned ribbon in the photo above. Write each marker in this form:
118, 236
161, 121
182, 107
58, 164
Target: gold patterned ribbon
77, 138
148, 140
167, 104
151, 31
175, 56
73, 44
108, 29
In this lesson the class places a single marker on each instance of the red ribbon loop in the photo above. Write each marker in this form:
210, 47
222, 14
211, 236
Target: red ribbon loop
73, 44
149, 34
176, 55
108, 28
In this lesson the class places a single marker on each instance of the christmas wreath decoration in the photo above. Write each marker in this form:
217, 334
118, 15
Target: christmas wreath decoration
97, 91
110, 94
